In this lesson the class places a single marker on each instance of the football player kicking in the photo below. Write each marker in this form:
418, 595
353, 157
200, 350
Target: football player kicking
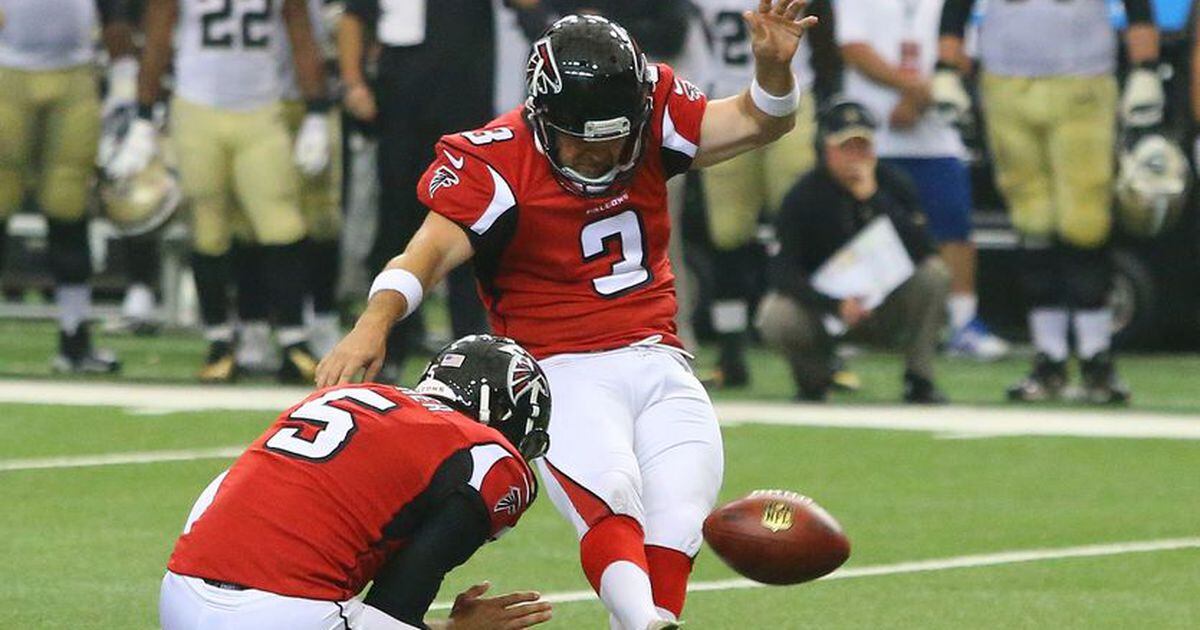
370, 482
562, 204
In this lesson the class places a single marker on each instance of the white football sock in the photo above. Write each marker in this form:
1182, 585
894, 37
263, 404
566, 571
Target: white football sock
626, 592
290, 335
963, 307
74, 302
220, 332
1048, 327
1093, 331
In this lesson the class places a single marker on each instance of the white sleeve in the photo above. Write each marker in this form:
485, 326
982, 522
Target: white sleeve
852, 21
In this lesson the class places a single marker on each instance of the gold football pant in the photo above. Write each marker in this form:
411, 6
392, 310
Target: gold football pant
1052, 143
320, 195
237, 159
739, 190
49, 128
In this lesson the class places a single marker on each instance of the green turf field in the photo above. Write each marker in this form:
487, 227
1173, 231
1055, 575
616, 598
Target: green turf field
1162, 382
85, 547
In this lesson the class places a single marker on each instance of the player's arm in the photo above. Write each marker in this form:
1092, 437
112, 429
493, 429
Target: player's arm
950, 97
1143, 100
117, 34
158, 26
310, 72
767, 109
140, 143
117, 28
952, 31
352, 46
439, 246
312, 146
407, 585
1141, 37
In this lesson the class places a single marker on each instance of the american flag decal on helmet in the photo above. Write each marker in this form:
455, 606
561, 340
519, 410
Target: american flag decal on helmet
542, 71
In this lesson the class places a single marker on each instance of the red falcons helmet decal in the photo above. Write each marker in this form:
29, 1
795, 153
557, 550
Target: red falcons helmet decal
542, 71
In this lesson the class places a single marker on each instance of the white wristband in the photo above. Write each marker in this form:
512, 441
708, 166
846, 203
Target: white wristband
403, 282
771, 105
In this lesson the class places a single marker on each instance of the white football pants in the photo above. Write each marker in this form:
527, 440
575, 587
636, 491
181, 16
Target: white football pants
188, 603
633, 432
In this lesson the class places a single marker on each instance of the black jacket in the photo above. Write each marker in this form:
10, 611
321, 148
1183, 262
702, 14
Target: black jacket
818, 217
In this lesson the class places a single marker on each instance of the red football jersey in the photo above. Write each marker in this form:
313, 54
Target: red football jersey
559, 272
337, 485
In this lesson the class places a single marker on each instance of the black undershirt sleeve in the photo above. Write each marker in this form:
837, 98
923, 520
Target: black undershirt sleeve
409, 582
1139, 12
955, 15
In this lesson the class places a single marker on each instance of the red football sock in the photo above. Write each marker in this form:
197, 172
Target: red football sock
669, 571
613, 538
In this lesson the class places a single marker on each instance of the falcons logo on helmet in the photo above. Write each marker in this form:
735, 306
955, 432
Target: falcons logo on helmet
542, 72
443, 177
510, 502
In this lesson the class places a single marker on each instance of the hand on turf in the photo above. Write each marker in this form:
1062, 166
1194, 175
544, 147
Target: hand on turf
357, 357
507, 612
775, 31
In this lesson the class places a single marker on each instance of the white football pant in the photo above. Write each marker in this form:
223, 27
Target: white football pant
634, 433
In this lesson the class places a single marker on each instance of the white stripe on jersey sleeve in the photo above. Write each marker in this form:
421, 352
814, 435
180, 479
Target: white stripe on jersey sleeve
484, 457
503, 200
672, 139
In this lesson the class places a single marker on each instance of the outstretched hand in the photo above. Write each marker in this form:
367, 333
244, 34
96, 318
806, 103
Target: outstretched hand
512, 611
775, 31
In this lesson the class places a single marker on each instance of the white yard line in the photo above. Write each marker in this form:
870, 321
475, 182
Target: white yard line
958, 421
925, 566
112, 459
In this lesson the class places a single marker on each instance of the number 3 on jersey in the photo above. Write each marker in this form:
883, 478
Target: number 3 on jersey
333, 426
628, 272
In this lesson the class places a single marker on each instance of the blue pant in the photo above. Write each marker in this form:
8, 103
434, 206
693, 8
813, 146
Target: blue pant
944, 185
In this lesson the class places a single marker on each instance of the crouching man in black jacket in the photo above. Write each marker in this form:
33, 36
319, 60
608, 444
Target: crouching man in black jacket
823, 212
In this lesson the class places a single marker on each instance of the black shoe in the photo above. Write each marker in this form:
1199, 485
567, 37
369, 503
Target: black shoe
812, 395
298, 365
1045, 381
1101, 385
921, 391
77, 356
221, 364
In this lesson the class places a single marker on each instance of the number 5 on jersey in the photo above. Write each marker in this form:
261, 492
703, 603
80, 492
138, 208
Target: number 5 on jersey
333, 426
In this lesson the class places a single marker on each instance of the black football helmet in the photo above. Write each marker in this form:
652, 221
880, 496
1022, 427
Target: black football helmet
587, 78
497, 382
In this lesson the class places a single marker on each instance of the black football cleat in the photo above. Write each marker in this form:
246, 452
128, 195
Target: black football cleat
221, 364
1045, 381
77, 356
919, 390
1101, 385
298, 365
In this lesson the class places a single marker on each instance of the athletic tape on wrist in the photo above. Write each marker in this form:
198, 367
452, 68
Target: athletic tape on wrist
777, 106
403, 282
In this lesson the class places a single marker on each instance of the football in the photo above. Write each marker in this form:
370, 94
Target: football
777, 537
